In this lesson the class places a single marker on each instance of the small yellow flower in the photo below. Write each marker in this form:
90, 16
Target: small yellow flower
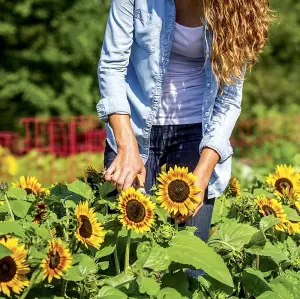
13, 268
31, 185
57, 261
285, 177
269, 206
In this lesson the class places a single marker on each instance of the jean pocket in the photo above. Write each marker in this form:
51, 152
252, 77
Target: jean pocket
147, 29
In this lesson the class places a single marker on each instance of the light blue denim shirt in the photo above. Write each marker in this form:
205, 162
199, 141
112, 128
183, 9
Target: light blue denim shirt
131, 71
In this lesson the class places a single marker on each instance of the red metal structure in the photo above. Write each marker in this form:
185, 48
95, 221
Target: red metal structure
50, 144
63, 136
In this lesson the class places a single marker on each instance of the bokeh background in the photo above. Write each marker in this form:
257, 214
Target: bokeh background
49, 127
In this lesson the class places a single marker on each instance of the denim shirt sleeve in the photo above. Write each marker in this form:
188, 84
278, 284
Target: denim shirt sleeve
114, 59
226, 111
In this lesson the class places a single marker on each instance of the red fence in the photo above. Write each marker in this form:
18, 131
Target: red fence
60, 138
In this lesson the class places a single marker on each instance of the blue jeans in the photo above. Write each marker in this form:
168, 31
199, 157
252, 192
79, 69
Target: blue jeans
175, 145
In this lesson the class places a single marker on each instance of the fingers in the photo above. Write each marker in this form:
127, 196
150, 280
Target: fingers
122, 178
109, 172
129, 180
197, 209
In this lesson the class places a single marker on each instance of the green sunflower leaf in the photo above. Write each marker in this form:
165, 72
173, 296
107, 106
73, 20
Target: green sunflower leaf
74, 274
155, 258
16, 193
269, 250
119, 279
13, 228
268, 222
148, 286
107, 292
81, 189
291, 214
106, 188
254, 282
188, 249
19, 207
107, 248
231, 235
4, 251
168, 293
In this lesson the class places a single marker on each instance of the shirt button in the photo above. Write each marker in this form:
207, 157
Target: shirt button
208, 84
206, 113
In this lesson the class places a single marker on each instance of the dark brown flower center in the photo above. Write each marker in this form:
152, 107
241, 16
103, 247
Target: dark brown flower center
269, 211
135, 211
29, 191
54, 260
179, 191
86, 229
282, 184
8, 269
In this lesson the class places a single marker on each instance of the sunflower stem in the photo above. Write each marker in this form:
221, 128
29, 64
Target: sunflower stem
9, 207
127, 251
282, 237
34, 278
64, 288
117, 263
176, 226
81, 291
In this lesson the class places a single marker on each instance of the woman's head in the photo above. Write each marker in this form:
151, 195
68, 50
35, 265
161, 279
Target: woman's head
240, 31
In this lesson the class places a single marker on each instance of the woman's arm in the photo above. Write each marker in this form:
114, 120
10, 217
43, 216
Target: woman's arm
114, 59
114, 106
128, 163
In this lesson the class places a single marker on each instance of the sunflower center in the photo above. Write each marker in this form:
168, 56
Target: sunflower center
135, 211
282, 184
86, 229
8, 269
54, 260
28, 191
179, 191
269, 211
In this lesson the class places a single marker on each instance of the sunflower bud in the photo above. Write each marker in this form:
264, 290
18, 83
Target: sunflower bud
3, 186
164, 233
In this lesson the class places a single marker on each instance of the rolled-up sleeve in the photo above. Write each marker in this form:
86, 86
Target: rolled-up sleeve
114, 59
226, 111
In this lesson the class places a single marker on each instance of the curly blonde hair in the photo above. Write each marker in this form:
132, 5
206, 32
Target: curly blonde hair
240, 31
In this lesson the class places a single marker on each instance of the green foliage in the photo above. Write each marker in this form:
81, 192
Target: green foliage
50, 50
49, 56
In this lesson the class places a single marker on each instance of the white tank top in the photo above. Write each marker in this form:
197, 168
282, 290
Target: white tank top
184, 84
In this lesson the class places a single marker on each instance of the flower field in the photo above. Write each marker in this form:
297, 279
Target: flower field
82, 240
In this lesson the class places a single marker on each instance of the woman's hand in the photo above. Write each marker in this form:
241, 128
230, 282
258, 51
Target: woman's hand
128, 163
202, 183
208, 160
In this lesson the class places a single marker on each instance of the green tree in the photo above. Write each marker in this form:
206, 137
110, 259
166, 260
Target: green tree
49, 52
273, 85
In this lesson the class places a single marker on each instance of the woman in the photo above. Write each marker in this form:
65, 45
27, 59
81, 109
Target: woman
171, 75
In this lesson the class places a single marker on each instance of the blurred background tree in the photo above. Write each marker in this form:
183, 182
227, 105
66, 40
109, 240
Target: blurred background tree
49, 52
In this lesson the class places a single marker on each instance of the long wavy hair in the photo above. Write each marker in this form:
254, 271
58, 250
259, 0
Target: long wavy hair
240, 31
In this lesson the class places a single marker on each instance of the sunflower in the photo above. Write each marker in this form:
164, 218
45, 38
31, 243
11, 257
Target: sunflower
289, 196
57, 261
177, 190
40, 212
13, 268
31, 185
268, 206
137, 211
89, 231
234, 188
285, 177
293, 227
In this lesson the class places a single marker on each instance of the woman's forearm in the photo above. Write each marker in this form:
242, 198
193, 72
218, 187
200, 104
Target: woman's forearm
123, 132
207, 162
